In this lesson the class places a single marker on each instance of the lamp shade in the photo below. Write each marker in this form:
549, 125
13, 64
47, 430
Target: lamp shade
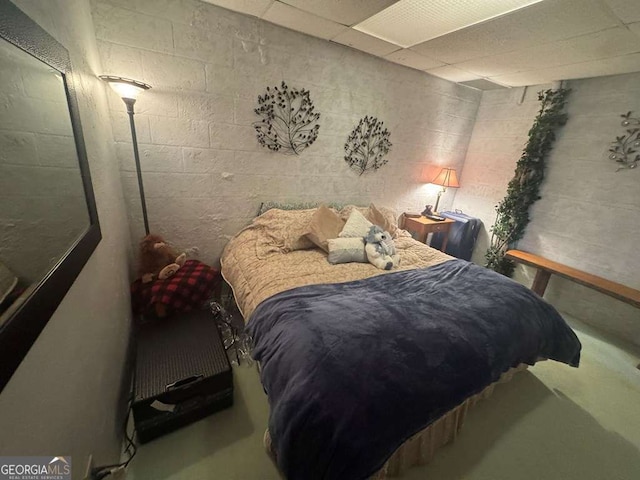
125, 87
446, 178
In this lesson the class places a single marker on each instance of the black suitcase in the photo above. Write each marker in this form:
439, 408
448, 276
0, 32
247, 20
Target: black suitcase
182, 373
462, 235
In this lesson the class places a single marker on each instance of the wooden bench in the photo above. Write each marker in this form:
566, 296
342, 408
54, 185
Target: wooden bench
547, 267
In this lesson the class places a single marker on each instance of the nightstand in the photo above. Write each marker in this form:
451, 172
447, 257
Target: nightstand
421, 227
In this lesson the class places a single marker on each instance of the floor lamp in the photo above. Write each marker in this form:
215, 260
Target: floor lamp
129, 90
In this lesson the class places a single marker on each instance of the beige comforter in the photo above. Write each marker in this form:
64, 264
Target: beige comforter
271, 255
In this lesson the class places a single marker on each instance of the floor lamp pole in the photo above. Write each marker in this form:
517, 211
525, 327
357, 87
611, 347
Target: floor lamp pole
129, 102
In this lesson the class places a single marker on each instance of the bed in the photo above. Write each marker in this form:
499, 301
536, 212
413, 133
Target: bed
368, 371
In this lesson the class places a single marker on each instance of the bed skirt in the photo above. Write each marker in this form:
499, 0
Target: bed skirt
420, 448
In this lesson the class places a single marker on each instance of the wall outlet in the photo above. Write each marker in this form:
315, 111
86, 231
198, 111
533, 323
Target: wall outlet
87, 471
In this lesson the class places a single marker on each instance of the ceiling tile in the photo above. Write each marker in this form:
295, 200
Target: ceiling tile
543, 22
612, 42
523, 79
494, 65
483, 84
346, 12
411, 59
609, 66
409, 22
452, 74
364, 42
249, 7
626, 10
305, 22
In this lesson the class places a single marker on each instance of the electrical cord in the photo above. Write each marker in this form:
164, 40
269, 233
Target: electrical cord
103, 471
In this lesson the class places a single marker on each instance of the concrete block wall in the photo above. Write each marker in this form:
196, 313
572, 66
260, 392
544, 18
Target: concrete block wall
499, 134
43, 209
589, 215
204, 172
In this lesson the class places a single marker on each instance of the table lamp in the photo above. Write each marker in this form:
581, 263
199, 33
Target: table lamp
446, 178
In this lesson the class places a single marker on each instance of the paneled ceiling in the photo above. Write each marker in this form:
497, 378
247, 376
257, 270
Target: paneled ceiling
499, 42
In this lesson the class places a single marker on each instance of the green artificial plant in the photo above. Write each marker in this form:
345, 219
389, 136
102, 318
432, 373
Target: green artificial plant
523, 190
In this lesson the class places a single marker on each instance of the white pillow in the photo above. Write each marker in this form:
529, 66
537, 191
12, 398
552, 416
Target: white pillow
345, 250
357, 226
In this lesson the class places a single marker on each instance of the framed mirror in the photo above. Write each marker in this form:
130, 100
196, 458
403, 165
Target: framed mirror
48, 221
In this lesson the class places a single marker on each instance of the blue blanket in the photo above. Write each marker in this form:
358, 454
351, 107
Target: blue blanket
354, 369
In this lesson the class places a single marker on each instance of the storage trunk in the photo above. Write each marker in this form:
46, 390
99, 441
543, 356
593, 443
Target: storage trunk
182, 373
462, 236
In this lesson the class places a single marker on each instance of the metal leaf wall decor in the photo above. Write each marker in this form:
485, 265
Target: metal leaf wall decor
289, 120
367, 145
625, 146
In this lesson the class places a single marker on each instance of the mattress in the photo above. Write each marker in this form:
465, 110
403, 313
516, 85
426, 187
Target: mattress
257, 264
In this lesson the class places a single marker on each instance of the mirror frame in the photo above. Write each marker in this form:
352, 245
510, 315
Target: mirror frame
20, 331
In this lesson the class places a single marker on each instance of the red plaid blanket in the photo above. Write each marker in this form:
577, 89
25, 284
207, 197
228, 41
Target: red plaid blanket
187, 289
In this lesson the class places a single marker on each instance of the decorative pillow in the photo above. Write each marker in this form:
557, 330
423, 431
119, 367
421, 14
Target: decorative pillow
187, 289
381, 216
384, 218
345, 250
348, 209
325, 224
357, 225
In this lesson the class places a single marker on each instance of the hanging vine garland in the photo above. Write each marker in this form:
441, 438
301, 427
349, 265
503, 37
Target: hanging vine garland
367, 145
523, 190
625, 146
289, 120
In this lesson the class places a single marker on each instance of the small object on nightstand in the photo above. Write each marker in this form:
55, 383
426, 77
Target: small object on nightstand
428, 210
429, 213
412, 215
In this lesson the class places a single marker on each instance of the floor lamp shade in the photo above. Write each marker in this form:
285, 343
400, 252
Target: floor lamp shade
125, 87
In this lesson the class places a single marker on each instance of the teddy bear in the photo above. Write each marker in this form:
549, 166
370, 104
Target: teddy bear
380, 249
157, 259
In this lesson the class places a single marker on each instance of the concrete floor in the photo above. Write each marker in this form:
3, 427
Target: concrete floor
552, 422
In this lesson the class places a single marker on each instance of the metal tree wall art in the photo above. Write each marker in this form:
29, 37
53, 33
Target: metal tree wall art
623, 149
289, 121
367, 145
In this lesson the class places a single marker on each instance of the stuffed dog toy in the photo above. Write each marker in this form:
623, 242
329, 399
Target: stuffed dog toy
380, 249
